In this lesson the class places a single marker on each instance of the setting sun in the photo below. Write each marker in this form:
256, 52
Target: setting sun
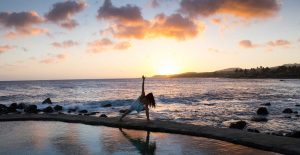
167, 67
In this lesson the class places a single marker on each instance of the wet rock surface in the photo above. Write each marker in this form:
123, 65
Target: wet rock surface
238, 125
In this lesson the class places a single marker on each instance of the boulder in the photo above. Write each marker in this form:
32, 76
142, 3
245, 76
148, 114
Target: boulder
122, 110
287, 111
21, 106
93, 113
47, 101
266, 104
295, 134
295, 112
253, 130
259, 119
297, 115
12, 108
72, 110
58, 108
3, 109
262, 111
31, 109
48, 110
238, 125
107, 105
103, 115
83, 111
297, 105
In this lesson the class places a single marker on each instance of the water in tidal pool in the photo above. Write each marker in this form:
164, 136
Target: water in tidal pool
55, 138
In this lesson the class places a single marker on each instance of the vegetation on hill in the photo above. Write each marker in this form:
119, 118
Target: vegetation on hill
284, 71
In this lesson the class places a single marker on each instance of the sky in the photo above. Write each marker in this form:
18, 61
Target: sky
95, 39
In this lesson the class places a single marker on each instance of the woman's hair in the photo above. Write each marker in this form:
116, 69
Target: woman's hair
151, 100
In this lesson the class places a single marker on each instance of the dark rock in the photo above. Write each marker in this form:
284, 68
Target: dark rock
58, 108
61, 113
295, 112
295, 134
103, 115
83, 111
287, 111
13, 106
259, 119
48, 110
277, 134
287, 116
93, 113
238, 125
266, 104
21, 106
262, 111
297, 115
47, 101
122, 110
72, 110
107, 105
31, 109
3, 109
297, 105
253, 130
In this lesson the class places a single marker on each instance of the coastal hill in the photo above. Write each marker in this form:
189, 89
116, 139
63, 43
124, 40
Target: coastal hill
283, 71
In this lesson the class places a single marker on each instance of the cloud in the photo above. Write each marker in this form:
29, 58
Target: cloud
62, 13
5, 48
246, 44
154, 3
106, 44
128, 14
248, 9
22, 23
269, 45
19, 19
122, 45
279, 42
127, 22
65, 44
54, 59
23, 32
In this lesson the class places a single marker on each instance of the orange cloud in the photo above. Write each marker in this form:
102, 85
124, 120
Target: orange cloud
5, 48
279, 42
127, 22
54, 59
246, 44
65, 44
106, 44
248, 9
122, 45
23, 32
22, 23
269, 45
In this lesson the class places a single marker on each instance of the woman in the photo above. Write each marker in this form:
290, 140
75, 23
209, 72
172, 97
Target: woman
142, 103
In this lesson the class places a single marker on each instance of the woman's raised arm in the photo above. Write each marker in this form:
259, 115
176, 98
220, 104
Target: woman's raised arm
143, 90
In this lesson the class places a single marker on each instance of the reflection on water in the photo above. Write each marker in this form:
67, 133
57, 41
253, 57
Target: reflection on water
144, 146
58, 138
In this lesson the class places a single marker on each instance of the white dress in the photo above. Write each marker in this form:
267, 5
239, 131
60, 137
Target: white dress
137, 105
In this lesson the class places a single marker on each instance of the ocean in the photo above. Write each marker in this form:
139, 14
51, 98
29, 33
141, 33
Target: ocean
203, 101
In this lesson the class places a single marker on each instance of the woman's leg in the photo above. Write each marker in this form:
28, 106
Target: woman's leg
147, 113
126, 113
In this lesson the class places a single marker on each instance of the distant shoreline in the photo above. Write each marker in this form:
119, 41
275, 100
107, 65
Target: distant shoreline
278, 144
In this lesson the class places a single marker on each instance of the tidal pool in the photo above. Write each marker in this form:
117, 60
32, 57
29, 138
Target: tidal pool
46, 137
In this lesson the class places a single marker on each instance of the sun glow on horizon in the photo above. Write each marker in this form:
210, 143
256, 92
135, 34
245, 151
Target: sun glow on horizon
167, 67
